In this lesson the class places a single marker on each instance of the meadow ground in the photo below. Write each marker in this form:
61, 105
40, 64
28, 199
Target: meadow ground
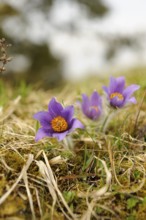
102, 177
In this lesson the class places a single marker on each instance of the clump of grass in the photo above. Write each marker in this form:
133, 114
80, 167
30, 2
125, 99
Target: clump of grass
103, 178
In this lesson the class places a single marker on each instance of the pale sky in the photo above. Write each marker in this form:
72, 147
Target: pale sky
83, 54
127, 16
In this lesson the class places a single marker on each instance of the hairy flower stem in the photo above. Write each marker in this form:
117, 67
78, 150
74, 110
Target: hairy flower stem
106, 121
68, 143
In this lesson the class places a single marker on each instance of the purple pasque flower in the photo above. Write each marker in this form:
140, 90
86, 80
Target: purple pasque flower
118, 96
57, 122
92, 106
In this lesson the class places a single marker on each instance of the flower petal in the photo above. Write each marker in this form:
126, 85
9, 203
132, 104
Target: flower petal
94, 114
115, 102
120, 84
95, 99
68, 113
130, 90
60, 136
105, 89
75, 123
112, 85
85, 98
54, 108
41, 133
44, 119
133, 100
85, 103
117, 84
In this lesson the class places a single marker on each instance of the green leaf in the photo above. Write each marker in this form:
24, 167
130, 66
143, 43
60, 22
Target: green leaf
69, 196
131, 203
131, 217
144, 200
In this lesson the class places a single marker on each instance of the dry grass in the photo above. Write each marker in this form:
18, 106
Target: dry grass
102, 178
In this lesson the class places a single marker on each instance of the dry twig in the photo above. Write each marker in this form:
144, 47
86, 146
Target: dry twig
4, 58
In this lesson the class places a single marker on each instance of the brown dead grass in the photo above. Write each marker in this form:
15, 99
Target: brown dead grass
97, 180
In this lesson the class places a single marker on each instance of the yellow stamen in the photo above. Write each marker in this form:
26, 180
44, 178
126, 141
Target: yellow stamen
59, 124
116, 94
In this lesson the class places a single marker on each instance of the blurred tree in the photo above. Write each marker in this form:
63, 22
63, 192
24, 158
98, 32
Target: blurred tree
7, 10
44, 68
115, 43
96, 8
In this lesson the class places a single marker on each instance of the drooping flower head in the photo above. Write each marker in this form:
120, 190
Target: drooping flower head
92, 106
118, 96
57, 122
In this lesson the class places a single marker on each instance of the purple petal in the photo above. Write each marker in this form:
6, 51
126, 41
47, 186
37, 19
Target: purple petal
94, 114
68, 113
130, 90
120, 81
117, 84
115, 102
95, 99
85, 103
113, 84
106, 90
133, 100
41, 133
54, 108
60, 136
85, 98
75, 123
44, 118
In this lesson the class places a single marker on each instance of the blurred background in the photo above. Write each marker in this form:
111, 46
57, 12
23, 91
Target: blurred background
57, 40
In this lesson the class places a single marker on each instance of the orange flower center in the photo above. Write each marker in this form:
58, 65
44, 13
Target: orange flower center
59, 124
94, 107
116, 94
